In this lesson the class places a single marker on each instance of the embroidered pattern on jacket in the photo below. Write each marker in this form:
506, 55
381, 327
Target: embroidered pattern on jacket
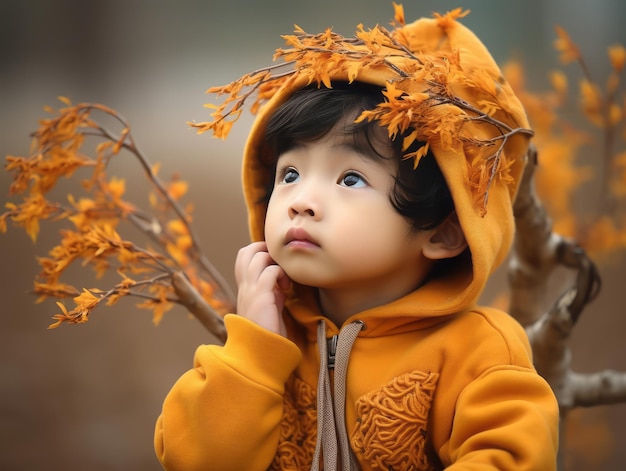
390, 433
298, 428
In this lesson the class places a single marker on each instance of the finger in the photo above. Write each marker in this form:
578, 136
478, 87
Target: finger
244, 257
270, 278
258, 264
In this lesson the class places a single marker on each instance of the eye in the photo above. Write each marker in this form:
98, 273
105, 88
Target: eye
353, 180
289, 175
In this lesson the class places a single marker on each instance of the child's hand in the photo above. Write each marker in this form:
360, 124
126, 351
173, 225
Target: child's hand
261, 287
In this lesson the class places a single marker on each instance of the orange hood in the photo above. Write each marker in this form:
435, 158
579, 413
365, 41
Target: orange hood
438, 79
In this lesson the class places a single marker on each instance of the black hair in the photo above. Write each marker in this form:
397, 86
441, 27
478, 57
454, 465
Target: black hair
421, 195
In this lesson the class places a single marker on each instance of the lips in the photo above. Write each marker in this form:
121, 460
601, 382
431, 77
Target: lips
297, 236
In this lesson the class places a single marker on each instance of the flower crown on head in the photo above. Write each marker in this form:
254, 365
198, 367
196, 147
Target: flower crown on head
420, 100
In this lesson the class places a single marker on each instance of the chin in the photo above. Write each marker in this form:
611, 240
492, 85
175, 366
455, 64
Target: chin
301, 278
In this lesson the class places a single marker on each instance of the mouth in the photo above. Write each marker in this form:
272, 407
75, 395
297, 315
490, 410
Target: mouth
298, 237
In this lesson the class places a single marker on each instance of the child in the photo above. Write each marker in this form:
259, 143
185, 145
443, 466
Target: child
380, 200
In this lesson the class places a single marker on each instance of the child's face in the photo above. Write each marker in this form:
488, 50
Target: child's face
330, 223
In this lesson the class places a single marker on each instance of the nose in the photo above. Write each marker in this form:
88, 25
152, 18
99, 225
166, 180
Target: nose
305, 203
295, 211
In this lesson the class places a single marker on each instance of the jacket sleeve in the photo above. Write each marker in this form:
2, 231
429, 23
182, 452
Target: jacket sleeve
507, 419
224, 414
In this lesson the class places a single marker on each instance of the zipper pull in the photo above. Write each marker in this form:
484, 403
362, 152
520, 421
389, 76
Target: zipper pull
332, 350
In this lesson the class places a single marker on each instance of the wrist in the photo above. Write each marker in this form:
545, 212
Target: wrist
265, 357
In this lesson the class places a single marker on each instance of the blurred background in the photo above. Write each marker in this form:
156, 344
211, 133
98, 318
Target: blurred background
87, 396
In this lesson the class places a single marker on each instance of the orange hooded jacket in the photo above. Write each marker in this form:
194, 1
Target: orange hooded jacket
434, 381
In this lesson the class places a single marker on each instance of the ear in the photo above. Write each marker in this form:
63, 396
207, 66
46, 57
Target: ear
446, 241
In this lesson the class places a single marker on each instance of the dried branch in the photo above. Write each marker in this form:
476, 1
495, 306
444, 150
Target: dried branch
533, 257
601, 388
127, 141
197, 306
431, 112
175, 272
538, 251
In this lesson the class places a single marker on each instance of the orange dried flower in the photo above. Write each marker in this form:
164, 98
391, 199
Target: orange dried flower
617, 56
398, 14
58, 150
314, 58
568, 50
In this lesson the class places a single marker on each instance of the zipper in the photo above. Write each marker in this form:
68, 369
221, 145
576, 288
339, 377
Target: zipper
332, 350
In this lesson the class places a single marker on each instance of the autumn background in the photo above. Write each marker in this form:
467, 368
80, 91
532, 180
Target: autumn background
87, 396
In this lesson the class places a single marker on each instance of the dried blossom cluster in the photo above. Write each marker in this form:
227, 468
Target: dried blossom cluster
90, 236
577, 153
420, 101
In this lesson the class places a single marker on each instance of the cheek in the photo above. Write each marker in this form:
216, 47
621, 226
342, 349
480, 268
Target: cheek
373, 222
271, 227
383, 233
356, 235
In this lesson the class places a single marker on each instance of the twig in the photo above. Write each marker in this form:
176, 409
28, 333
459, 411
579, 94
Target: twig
129, 143
190, 298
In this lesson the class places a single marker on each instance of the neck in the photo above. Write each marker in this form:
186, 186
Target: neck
338, 304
